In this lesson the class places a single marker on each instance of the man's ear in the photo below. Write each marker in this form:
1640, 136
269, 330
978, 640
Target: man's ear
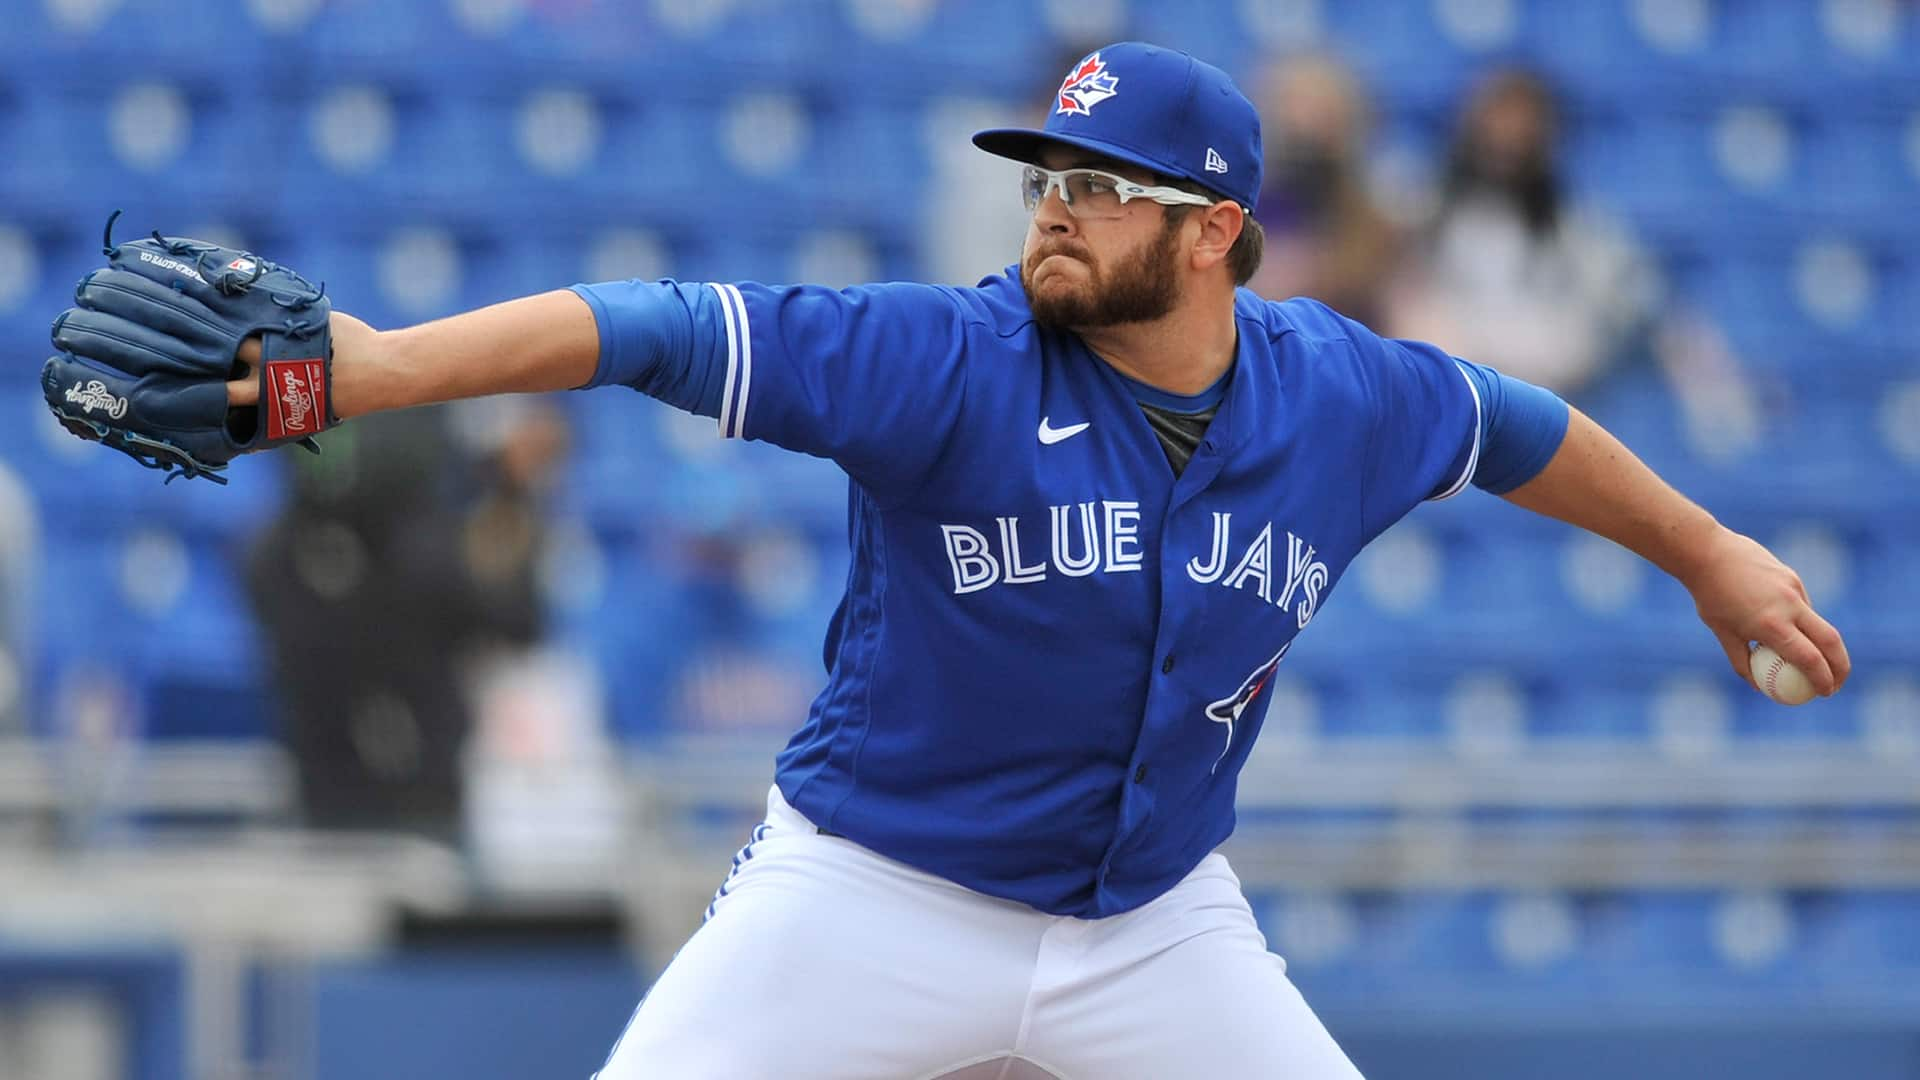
1220, 226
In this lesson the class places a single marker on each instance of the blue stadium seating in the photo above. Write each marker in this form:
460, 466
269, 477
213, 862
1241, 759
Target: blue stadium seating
1889, 558
909, 52
1387, 706
662, 86
1847, 935
1424, 932
1592, 705
1900, 326
1665, 931
1857, 169
1602, 47
1410, 53
1759, 38
69, 45
441, 151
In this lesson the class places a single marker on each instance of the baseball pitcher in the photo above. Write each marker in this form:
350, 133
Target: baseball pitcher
1094, 502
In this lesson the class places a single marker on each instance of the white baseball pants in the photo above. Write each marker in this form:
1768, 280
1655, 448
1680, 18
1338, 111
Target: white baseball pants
824, 960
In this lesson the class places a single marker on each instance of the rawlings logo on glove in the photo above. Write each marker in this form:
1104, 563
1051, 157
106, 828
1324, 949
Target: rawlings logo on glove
93, 396
145, 355
300, 400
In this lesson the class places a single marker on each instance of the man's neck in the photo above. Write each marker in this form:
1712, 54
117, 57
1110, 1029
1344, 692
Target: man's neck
1184, 352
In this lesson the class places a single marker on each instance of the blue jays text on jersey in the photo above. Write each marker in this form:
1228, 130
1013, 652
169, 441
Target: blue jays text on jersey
1053, 652
1083, 540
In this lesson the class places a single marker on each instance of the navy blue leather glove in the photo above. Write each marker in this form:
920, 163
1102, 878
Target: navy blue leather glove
145, 356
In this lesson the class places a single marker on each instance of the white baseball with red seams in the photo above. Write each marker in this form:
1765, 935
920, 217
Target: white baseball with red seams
1778, 679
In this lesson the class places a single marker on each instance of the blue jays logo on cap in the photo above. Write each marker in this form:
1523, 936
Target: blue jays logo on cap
1178, 116
1086, 86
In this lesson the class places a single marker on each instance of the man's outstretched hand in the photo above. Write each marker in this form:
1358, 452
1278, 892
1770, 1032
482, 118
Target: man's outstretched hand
1744, 594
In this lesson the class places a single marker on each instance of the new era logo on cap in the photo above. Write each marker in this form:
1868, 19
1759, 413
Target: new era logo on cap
1156, 108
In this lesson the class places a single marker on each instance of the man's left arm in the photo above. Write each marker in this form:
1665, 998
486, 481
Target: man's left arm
1740, 590
1440, 422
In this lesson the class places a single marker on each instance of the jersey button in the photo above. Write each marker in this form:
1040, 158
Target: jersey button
1166, 666
1140, 775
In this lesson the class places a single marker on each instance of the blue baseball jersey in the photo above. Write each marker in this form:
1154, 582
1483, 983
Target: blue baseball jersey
1054, 653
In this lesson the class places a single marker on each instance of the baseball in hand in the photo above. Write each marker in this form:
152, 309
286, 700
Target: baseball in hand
1778, 679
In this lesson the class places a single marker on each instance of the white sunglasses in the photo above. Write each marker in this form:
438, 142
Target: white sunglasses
1092, 194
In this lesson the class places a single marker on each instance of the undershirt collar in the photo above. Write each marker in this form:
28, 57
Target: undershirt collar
1178, 403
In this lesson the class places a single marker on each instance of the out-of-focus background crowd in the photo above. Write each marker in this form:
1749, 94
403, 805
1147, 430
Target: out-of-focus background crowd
419, 757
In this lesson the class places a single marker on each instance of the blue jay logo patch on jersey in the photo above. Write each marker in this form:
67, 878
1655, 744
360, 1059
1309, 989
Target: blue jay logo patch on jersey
1086, 86
1228, 709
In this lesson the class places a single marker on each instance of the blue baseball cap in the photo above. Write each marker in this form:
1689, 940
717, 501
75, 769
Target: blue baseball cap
1155, 108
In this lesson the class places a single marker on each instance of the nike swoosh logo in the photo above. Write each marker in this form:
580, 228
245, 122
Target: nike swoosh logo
1050, 434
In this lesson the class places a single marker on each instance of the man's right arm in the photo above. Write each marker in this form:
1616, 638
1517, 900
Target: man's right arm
871, 377
537, 343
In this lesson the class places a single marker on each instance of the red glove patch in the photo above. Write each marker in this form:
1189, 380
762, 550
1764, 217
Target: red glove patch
296, 398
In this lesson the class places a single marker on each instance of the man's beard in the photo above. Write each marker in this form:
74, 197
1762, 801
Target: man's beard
1142, 287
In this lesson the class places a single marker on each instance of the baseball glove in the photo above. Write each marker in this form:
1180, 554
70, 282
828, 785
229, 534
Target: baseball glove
146, 355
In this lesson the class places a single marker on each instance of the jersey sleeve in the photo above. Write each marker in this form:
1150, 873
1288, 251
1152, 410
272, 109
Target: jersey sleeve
872, 377
1521, 428
1427, 417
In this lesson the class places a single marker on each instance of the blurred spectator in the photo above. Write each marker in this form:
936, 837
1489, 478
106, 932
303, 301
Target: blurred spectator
1510, 272
379, 587
1327, 237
